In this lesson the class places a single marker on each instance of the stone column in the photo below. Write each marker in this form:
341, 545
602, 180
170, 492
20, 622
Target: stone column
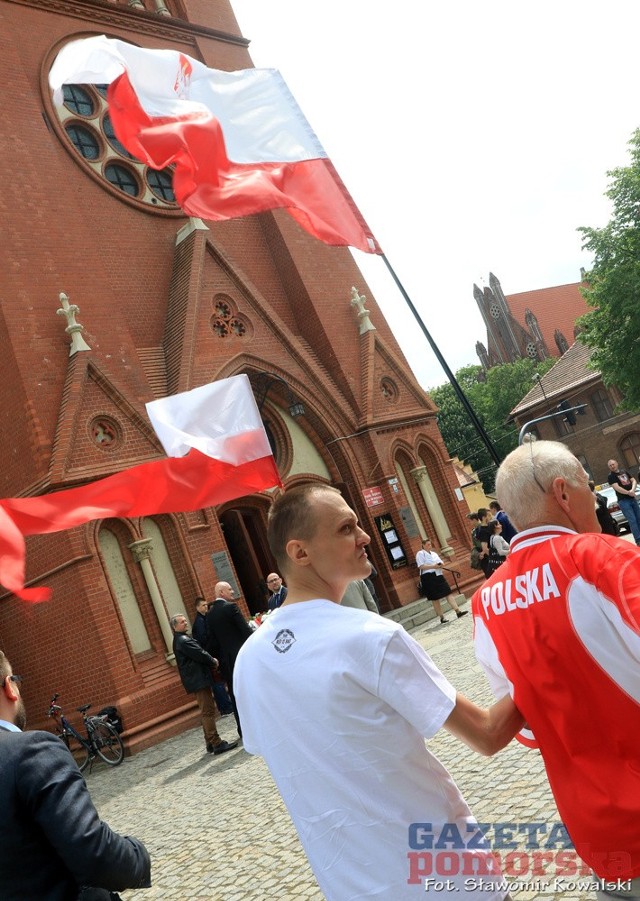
423, 481
141, 551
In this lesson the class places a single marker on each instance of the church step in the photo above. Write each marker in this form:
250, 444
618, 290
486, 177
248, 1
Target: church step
416, 614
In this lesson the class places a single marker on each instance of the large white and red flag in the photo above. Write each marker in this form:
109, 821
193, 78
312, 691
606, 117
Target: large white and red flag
218, 451
239, 141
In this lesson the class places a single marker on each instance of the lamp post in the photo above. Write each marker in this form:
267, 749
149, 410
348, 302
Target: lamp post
537, 378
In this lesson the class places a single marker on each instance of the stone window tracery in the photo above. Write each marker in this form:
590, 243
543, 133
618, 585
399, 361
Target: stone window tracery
226, 322
105, 432
389, 389
84, 123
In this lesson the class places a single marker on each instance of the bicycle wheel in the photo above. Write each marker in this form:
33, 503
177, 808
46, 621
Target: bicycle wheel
108, 744
79, 751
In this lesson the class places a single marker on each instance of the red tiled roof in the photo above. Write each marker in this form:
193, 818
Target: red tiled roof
554, 308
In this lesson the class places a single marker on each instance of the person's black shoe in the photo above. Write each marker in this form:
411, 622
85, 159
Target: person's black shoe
225, 746
443, 619
209, 749
460, 613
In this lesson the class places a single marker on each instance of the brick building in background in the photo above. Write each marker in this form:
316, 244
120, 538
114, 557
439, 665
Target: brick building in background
167, 304
595, 434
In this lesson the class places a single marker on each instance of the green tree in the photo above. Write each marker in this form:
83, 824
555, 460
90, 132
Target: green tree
612, 329
492, 395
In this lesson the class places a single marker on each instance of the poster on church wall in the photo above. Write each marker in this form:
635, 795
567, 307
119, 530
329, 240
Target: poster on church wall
372, 497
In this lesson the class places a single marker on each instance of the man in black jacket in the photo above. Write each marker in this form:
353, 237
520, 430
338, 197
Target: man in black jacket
228, 630
53, 841
194, 665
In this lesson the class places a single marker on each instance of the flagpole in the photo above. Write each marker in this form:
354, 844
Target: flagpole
488, 443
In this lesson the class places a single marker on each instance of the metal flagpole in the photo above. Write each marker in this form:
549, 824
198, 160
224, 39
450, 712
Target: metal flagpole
488, 443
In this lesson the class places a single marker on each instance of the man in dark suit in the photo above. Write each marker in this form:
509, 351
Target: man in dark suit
199, 632
277, 589
53, 840
228, 630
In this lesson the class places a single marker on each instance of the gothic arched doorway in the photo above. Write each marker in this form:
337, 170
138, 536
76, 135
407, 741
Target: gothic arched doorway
245, 534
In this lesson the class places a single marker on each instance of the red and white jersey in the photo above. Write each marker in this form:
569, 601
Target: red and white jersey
558, 627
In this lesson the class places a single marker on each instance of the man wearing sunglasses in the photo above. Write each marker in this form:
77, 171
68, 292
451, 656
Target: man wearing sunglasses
53, 841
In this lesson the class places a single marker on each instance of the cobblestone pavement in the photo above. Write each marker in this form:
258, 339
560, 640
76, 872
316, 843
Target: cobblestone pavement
217, 829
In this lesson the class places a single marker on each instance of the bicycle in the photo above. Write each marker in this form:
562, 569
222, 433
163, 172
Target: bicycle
102, 739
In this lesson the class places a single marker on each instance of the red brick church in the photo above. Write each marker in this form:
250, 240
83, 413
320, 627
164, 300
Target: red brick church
534, 324
111, 298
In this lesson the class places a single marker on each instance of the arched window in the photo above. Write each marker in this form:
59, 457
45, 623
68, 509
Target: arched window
602, 406
124, 592
164, 572
630, 450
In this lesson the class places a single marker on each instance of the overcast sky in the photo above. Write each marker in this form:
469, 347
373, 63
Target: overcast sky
474, 137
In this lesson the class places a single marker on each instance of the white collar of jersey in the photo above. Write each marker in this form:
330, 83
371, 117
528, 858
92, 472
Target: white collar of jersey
537, 535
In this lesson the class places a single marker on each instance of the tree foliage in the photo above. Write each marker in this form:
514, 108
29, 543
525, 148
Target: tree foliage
492, 395
612, 329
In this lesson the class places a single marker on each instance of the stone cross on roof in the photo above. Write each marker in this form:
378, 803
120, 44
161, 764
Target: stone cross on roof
73, 328
357, 301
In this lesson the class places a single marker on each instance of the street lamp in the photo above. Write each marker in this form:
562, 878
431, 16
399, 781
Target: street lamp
536, 378
262, 381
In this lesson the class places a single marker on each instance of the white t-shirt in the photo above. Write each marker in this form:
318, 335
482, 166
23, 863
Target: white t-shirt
337, 700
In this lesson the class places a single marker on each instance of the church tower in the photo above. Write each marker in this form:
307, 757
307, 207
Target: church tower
111, 298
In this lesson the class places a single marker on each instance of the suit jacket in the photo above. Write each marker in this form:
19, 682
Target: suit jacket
53, 840
278, 598
228, 631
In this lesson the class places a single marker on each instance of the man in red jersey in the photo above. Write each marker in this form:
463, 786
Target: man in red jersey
560, 622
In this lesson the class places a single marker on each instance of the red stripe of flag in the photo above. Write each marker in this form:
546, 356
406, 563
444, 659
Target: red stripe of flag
171, 485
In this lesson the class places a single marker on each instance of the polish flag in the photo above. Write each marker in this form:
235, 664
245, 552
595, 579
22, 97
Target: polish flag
239, 141
218, 451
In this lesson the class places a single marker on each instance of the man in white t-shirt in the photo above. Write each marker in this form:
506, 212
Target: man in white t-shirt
339, 701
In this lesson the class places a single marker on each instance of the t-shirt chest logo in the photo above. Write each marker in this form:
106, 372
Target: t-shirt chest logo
283, 640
